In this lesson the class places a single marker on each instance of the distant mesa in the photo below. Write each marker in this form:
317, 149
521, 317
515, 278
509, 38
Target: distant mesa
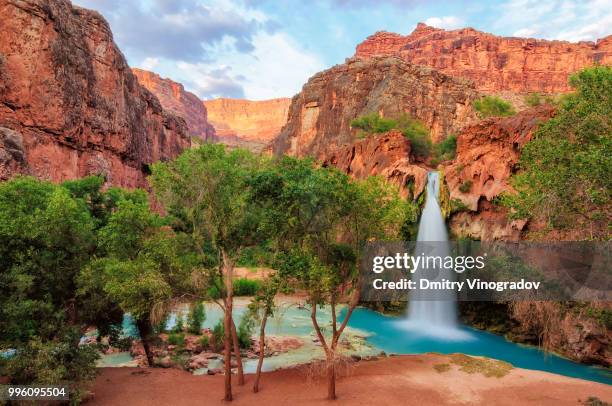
246, 123
495, 64
174, 98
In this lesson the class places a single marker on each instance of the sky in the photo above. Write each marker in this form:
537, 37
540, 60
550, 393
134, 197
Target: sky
262, 49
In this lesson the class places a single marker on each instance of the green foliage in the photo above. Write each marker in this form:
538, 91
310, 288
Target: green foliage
411, 128
445, 150
177, 339
465, 186
373, 123
179, 326
256, 256
245, 330
204, 341
218, 336
537, 99
245, 287
566, 176
197, 316
493, 106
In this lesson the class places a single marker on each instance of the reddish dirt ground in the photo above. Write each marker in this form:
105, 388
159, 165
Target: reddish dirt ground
402, 380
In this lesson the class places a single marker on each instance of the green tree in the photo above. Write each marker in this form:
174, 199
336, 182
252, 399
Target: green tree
322, 220
566, 170
206, 191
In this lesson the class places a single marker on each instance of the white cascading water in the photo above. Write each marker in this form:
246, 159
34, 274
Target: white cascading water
432, 312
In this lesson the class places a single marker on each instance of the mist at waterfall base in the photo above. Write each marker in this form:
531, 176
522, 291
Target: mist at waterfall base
433, 313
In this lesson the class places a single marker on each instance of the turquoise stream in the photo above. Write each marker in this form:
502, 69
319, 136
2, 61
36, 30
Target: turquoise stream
389, 334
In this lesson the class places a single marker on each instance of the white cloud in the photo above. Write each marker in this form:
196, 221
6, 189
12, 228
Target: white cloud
524, 32
277, 67
557, 19
446, 22
149, 63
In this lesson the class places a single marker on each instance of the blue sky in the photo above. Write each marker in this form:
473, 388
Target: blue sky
260, 49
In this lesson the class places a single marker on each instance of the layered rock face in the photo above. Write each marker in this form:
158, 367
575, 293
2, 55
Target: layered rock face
247, 123
495, 64
175, 99
387, 155
320, 115
70, 105
487, 155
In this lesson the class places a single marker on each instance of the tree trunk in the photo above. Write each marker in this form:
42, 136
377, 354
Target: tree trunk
144, 330
262, 347
237, 354
331, 378
228, 322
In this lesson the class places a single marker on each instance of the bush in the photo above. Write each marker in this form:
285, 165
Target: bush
493, 106
373, 123
204, 341
197, 316
180, 324
417, 133
218, 336
259, 255
176, 339
537, 99
446, 149
245, 330
246, 287
465, 186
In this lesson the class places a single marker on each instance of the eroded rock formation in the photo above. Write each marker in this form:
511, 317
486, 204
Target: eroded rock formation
320, 115
494, 63
487, 155
247, 123
175, 99
69, 104
387, 155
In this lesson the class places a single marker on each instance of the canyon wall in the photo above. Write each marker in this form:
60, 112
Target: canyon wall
488, 153
246, 123
175, 99
320, 115
69, 104
495, 64
387, 155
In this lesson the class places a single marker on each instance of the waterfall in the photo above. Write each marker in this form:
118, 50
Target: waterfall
430, 312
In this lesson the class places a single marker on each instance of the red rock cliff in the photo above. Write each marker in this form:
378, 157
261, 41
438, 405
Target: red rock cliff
320, 115
487, 155
494, 63
174, 98
69, 104
247, 123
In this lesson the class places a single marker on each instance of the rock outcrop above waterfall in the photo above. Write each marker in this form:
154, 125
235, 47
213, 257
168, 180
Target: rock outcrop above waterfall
175, 99
69, 104
247, 123
487, 155
387, 155
494, 63
320, 115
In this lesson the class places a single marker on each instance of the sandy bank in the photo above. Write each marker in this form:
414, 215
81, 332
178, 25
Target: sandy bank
417, 380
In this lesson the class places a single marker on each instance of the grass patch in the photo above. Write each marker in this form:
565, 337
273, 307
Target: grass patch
488, 367
465, 186
246, 287
441, 368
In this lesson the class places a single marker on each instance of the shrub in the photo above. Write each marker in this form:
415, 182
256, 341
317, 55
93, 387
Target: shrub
493, 106
537, 99
180, 324
445, 150
218, 336
204, 341
259, 255
373, 123
465, 186
245, 330
417, 133
176, 339
197, 316
246, 287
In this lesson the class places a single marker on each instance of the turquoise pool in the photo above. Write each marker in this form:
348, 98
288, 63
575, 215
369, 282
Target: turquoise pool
388, 334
